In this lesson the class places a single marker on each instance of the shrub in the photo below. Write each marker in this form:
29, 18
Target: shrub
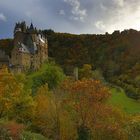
32, 136
10, 130
49, 73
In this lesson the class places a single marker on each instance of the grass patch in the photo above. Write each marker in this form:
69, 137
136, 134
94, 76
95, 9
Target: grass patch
127, 104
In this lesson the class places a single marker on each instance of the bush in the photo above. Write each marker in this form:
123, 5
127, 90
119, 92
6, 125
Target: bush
4, 135
49, 73
32, 136
10, 130
133, 128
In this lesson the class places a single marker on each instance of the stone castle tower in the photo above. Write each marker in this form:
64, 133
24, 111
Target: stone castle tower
30, 48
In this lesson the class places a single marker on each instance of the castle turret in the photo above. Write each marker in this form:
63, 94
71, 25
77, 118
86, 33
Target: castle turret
31, 29
20, 27
23, 26
32, 26
19, 32
17, 28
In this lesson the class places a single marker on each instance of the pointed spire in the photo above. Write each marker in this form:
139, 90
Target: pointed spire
31, 26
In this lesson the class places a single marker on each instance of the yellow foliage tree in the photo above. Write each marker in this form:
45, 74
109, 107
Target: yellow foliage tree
86, 72
9, 91
14, 101
51, 119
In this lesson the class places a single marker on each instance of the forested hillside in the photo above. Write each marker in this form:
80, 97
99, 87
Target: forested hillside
6, 45
49, 104
115, 55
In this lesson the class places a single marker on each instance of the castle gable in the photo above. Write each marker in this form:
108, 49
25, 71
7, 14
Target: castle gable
22, 48
28, 41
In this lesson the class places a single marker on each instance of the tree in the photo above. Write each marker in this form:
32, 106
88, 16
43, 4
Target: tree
15, 102
84, 95
133, 128
85, 72
93, 118
51, 118
47, 113
50, 73
9, 91
23, 109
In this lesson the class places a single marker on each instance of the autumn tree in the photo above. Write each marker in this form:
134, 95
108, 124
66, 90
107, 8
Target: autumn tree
11, 130
89, 111
51, 118
133, 128
86, 71
15, 102
9, 91
47, 113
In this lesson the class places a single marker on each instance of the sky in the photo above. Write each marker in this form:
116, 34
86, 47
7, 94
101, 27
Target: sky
72, 16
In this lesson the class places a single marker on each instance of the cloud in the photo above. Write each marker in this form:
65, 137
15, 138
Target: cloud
28, 14
74, 16
117, 15
119, 2
126, 19
3, 17
77, 12
100, 25
103, 7
61, 12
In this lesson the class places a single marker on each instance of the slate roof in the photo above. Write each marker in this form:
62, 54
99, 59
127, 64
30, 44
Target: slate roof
28, 46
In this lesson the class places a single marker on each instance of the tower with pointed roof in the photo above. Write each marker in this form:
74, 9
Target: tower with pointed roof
30, 48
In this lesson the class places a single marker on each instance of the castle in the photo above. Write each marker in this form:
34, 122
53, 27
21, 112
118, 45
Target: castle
30, 49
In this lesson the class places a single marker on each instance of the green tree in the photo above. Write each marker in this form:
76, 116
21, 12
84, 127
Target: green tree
50, 73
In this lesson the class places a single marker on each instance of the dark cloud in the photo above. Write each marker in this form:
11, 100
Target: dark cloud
74, 16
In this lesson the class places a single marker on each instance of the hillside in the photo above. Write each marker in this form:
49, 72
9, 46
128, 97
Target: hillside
116, 55
51, 105
120, 100
7, 45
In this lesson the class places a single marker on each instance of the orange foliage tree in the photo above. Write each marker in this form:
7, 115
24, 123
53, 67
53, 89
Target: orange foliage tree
92, 116
77, 110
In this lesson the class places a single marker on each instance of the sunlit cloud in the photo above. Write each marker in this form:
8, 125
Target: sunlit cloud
77, 12
125, 17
